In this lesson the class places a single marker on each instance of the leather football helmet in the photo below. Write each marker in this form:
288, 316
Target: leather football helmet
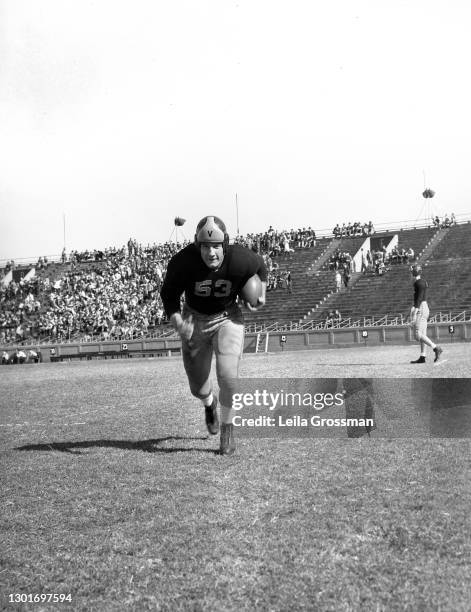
211, 229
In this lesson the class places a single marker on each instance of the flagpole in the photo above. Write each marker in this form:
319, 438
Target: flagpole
237, 214
63, 216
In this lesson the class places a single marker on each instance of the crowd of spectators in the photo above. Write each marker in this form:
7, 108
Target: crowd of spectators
353, 229
115, 293
278, 279
117, 297
10, 265
42, 263
274, 242
372, 262
378, 262
375, 262
401, 256
18, 304
341, 260
445, 221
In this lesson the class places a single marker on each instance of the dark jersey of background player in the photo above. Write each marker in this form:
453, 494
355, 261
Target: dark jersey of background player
420, 292
209, 291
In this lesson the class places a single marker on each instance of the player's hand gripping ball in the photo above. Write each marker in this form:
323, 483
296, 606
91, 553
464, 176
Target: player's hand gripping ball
251, 292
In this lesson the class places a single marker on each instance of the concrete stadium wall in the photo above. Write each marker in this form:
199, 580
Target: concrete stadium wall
294, 340
332, 338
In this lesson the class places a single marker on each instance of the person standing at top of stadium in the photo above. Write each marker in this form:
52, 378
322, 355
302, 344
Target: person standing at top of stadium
289, 281
211, 272
419, 314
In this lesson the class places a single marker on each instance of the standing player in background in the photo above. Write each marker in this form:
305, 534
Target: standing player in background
211, 272
419, 314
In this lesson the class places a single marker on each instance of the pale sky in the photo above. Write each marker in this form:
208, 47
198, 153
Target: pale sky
121, 115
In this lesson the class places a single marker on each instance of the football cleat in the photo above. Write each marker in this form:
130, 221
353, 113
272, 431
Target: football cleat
227, 446
438, 351
211, 414
421, 359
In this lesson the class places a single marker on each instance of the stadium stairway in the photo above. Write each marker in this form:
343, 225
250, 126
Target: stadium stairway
320, 262
322, 301
457, 244
445, 255
418, 239
284, 306
329, 300
373, 296
314, 295
351, 244
432, 244
391, 294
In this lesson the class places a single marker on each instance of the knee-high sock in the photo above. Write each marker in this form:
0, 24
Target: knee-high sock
227, 414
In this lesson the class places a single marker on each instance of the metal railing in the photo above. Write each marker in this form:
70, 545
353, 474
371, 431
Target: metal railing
321, 233
450, 317
387, 320
254, 328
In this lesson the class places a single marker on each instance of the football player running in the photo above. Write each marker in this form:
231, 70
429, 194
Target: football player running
419, 314
210, 272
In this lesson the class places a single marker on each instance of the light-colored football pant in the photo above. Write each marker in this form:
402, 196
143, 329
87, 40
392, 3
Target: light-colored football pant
420, 327
223, 335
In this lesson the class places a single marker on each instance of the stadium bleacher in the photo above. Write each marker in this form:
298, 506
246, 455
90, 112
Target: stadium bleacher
376, 296
456, 245
444, 253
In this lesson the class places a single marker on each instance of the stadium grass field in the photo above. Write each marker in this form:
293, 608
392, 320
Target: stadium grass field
113, 492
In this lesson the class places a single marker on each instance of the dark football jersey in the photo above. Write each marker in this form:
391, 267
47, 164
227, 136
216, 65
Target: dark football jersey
420, 292
209, 291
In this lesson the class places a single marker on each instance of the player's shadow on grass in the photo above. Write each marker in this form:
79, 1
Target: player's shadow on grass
147, 446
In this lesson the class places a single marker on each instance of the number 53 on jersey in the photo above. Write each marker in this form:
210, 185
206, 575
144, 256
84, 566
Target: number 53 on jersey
218, 288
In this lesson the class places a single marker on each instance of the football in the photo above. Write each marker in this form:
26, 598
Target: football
252, 290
